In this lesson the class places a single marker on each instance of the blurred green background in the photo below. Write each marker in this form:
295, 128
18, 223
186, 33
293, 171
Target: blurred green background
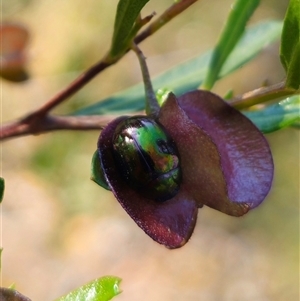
60, 230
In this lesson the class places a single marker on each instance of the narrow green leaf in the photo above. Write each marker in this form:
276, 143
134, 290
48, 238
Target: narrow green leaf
2, 187
127, 14
234, 28
253, 41
101, 289
290, 44
276, 116
188, 76
293, 74
290, 33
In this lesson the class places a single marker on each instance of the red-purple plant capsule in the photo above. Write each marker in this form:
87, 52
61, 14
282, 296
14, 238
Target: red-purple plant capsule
147, 158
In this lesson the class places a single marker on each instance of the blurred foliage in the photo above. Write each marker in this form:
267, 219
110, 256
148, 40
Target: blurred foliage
233, 30
102, 289
89, 234
189, 74
62, 166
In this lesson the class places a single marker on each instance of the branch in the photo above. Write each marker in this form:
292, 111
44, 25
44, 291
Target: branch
261, 95
164, 18
37, 124
40, 121
46, 123
84, 78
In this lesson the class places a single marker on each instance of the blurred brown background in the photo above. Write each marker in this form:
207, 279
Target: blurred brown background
59, 230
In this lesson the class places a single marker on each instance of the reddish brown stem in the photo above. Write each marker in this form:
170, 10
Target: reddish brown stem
37, 125
84, 78
166, 16
40, 121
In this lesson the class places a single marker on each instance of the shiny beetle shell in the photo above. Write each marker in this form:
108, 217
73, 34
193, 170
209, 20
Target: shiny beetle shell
147, 158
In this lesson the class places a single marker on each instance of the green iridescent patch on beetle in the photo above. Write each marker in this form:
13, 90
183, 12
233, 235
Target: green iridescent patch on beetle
147, 157
154, 141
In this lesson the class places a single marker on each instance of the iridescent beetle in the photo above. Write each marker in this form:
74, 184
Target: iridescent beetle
147, 158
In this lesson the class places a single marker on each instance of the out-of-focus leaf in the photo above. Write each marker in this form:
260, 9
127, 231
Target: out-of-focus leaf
188, 76
276, 116
290, 44
127, 13
2, 186
102, 289
240, 13
14, 39
8, 294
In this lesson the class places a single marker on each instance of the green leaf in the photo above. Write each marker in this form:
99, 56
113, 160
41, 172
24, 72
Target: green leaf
276, 116
234, 28
2, 187
188, 76
101, 289
290, 44
127, 14
97, 174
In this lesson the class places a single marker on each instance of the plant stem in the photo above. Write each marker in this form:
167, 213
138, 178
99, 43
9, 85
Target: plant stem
107, 61
261, 95
53, 123
164, 18
37, 121
152, 106
36, 124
